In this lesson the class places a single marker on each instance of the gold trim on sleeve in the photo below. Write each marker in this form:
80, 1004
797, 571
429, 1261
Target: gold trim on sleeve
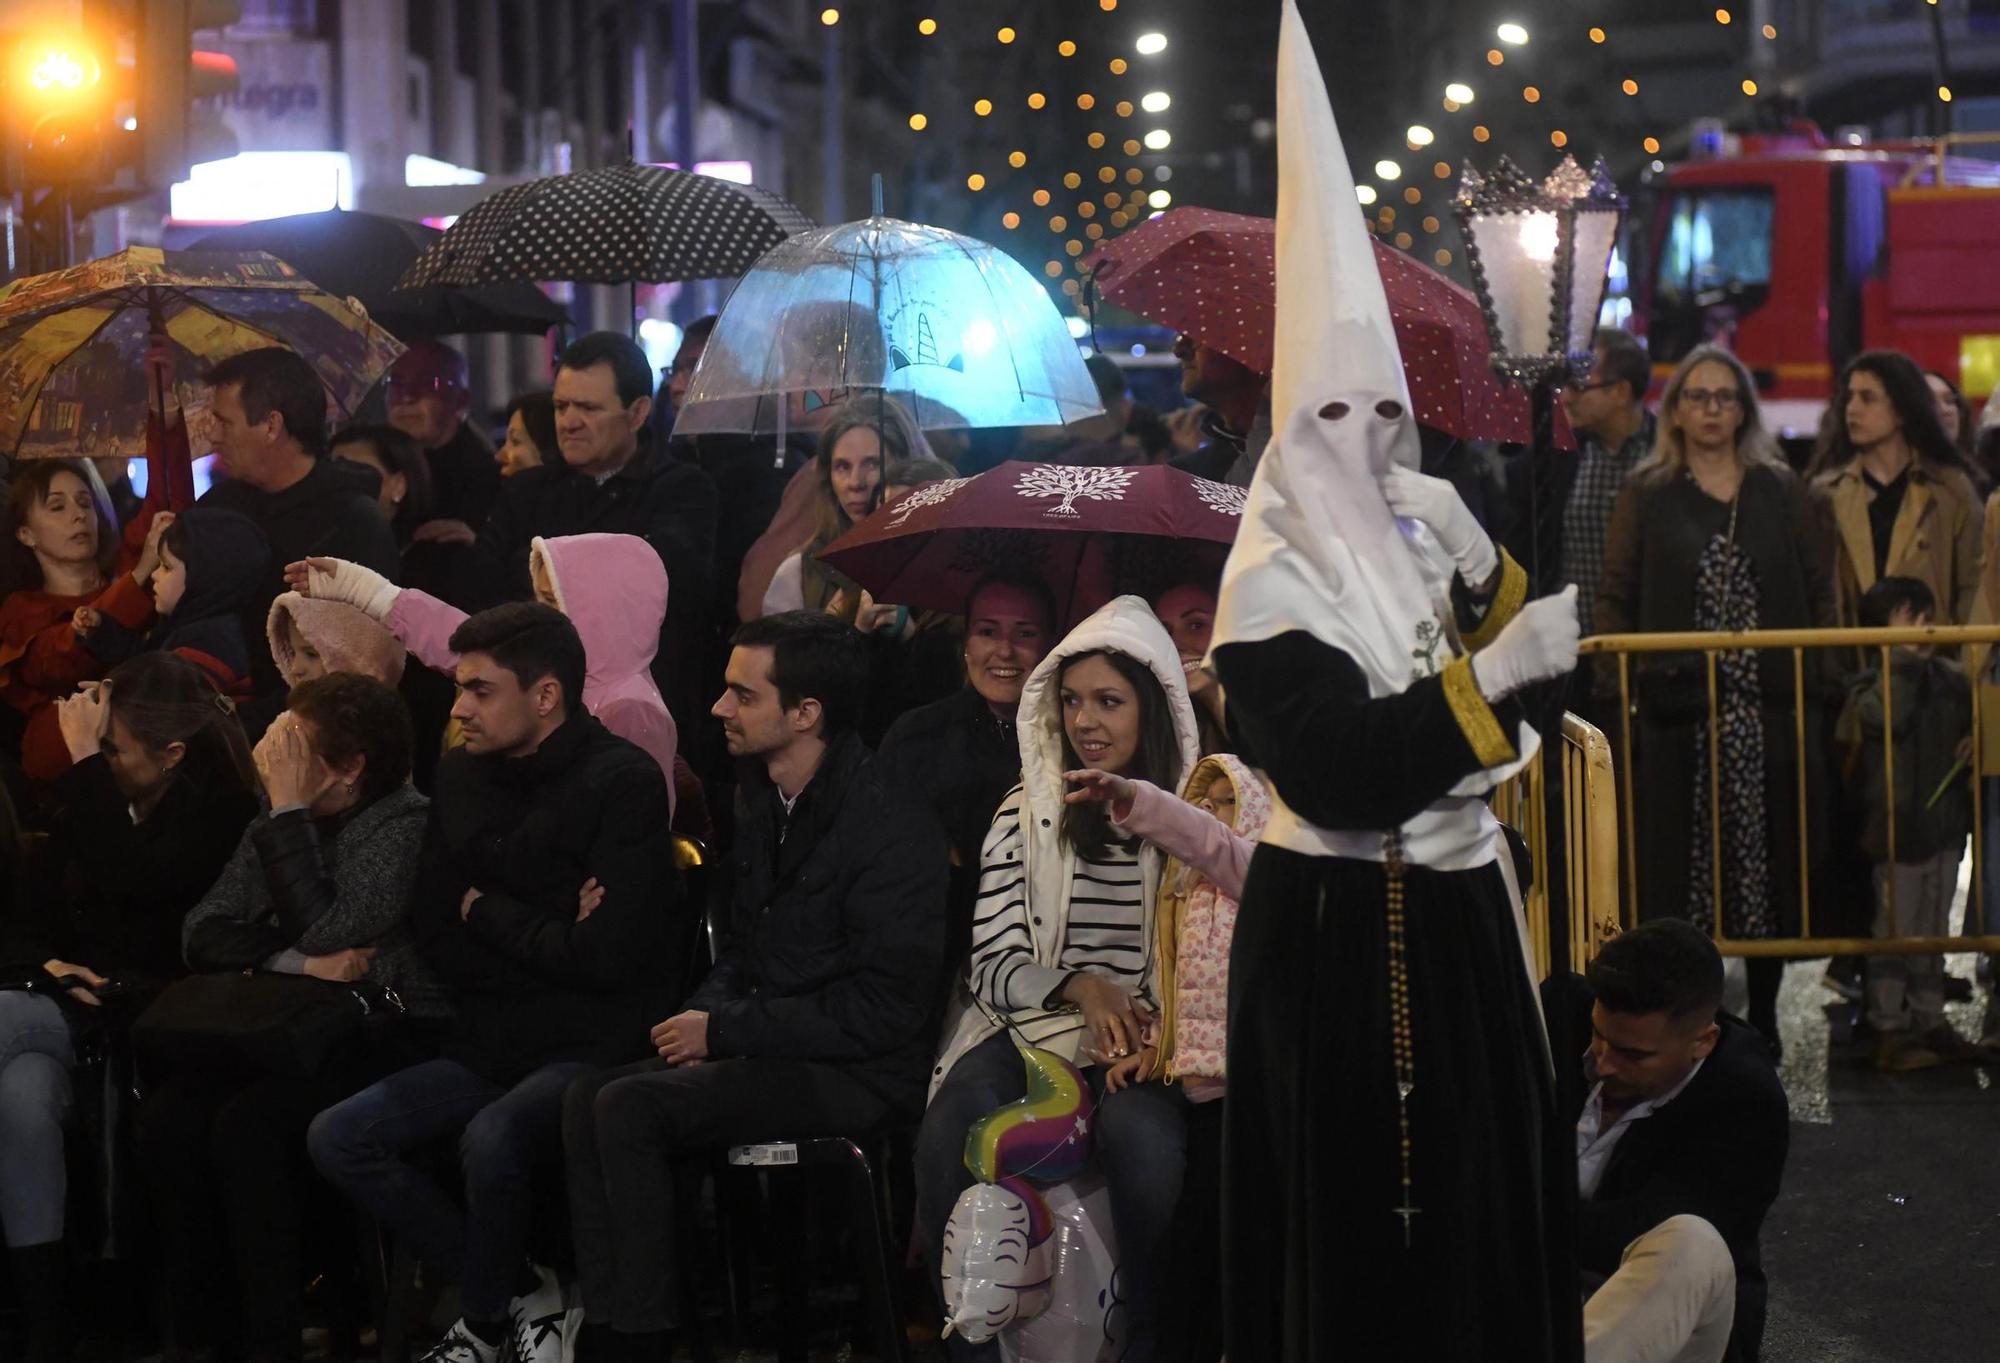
1508, 599
1475, 717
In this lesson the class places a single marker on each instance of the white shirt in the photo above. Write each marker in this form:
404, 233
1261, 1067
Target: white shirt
1594, 1147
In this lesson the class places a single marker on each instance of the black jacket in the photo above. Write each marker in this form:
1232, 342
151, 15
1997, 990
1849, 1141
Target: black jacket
837, 934
465, 478
1717, 1151
331, 513
959, 759
534, 985
117, 890
667, 502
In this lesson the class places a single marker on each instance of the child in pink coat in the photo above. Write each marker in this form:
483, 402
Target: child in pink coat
1210, 833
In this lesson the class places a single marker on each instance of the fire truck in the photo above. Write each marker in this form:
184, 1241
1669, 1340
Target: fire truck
1798, 252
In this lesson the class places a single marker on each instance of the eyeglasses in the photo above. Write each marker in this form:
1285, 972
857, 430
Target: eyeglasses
1720, 398
1597, 387
422, 388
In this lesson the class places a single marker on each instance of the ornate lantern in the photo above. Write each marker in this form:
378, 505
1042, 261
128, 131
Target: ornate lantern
1539, 255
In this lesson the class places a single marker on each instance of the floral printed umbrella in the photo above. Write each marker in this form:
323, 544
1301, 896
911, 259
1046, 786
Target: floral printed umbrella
1213, 276
73, 343
1088, 532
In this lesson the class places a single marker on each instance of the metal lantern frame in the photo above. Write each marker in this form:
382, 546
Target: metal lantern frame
1568, 193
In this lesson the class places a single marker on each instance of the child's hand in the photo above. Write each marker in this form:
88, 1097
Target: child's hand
1104, 788
1132, 1070
149, 553
85, 620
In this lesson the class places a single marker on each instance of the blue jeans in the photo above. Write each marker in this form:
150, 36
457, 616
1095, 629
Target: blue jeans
1140, 1136
35, 1060
504, 1136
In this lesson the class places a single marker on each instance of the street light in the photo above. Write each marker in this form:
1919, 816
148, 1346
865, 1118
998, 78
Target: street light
1159, 139
1538, 256
1156, 101
1419, 136
1458, 92
1512, 34
1388, 170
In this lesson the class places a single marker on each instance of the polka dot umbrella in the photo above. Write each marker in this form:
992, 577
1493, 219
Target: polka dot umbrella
616, 225
1213, 276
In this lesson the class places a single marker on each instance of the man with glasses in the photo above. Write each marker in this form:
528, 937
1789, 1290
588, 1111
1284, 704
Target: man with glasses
1235, 395
1614, 431
429, 394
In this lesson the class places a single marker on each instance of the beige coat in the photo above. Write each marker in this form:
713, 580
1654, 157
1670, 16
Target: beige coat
1936, 539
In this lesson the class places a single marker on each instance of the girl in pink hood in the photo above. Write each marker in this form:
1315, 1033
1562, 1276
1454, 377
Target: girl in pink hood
612, 587
1210, 833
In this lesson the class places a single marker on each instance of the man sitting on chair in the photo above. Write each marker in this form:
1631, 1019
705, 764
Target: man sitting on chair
818, 1020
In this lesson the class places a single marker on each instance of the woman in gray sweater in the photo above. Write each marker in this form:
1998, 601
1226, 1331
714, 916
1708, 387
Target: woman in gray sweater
319, 886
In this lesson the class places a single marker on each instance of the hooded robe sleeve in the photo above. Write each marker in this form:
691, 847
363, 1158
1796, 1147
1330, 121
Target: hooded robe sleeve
1343, 759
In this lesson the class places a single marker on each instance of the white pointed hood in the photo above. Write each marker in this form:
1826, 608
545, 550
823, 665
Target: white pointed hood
1319, 550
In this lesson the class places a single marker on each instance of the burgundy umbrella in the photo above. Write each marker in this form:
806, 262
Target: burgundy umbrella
1090, 533
1213, 276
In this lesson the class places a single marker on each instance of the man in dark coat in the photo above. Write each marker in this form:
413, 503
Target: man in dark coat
817, 1019
1682, 1130
613, 480
429, 394
1233, 393
267, 421
546, 896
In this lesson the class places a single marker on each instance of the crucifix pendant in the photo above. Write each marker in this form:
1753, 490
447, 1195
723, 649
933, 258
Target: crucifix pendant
1406, 1211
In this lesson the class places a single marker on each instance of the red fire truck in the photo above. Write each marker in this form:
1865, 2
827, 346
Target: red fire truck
1797, 252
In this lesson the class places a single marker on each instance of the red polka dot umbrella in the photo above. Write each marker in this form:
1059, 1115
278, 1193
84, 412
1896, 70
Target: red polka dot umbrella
1213, 276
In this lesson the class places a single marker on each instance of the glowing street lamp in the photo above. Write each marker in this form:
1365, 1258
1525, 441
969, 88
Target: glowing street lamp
1150, 44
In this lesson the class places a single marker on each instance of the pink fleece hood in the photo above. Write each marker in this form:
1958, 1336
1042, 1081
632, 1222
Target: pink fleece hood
614, 590
345, 638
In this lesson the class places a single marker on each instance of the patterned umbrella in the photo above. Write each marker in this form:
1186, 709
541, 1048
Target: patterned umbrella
1213, 276
616, 225
1089, 532
73, 343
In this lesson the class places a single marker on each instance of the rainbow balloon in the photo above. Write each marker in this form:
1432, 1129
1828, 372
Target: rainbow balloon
1043, 1137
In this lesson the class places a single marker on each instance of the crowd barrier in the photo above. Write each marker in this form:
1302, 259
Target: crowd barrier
1603, 801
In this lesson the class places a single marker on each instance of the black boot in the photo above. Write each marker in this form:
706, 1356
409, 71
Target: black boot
41, 1278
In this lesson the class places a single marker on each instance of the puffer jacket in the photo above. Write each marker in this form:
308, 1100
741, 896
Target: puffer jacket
1031, 817
1197, 909
836, 944
300, 887
614, 590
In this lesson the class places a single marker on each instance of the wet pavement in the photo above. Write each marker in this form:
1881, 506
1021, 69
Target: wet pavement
1884, 1246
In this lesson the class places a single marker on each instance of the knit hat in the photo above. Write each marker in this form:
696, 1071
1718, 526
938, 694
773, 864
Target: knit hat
347, 639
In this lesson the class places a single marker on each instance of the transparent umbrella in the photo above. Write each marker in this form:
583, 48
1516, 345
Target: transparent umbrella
954, 328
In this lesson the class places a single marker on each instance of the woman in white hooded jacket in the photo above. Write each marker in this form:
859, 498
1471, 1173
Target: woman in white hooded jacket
1062, 935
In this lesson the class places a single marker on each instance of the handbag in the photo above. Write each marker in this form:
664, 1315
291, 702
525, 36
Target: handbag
261, 1021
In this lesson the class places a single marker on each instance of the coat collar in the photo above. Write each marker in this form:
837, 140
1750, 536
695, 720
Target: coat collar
1851, 497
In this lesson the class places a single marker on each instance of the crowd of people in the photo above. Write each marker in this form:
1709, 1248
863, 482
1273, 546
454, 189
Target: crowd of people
400, 711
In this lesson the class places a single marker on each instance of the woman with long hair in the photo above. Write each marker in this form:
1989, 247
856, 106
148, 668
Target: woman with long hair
1062, 941
63, 555
1713, 532
1901, 489
159, 788
863, 436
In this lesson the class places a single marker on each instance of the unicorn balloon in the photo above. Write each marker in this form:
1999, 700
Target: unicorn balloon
998, 1248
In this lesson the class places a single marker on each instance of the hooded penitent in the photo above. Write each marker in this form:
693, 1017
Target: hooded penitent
1319, 550
345, 638
1125, 625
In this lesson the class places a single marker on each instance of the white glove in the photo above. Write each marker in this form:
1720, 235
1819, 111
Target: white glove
363, 588
1418, 497
1537, 645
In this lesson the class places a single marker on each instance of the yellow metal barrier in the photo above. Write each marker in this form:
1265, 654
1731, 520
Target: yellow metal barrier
1797, 642
1589, 842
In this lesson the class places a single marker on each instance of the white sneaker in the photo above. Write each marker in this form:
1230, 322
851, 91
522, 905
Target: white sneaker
540, 1329
460, 1345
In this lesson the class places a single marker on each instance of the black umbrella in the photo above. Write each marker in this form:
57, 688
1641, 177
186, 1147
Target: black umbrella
362, 255
621, 224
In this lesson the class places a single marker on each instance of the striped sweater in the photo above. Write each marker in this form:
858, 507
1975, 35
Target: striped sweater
1107, 923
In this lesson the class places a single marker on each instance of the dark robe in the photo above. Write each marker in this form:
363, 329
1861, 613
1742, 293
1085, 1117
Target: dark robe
1316, 1265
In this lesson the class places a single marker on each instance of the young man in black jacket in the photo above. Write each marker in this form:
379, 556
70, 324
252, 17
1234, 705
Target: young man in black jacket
818, 1018
546, 896
1681, 1139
